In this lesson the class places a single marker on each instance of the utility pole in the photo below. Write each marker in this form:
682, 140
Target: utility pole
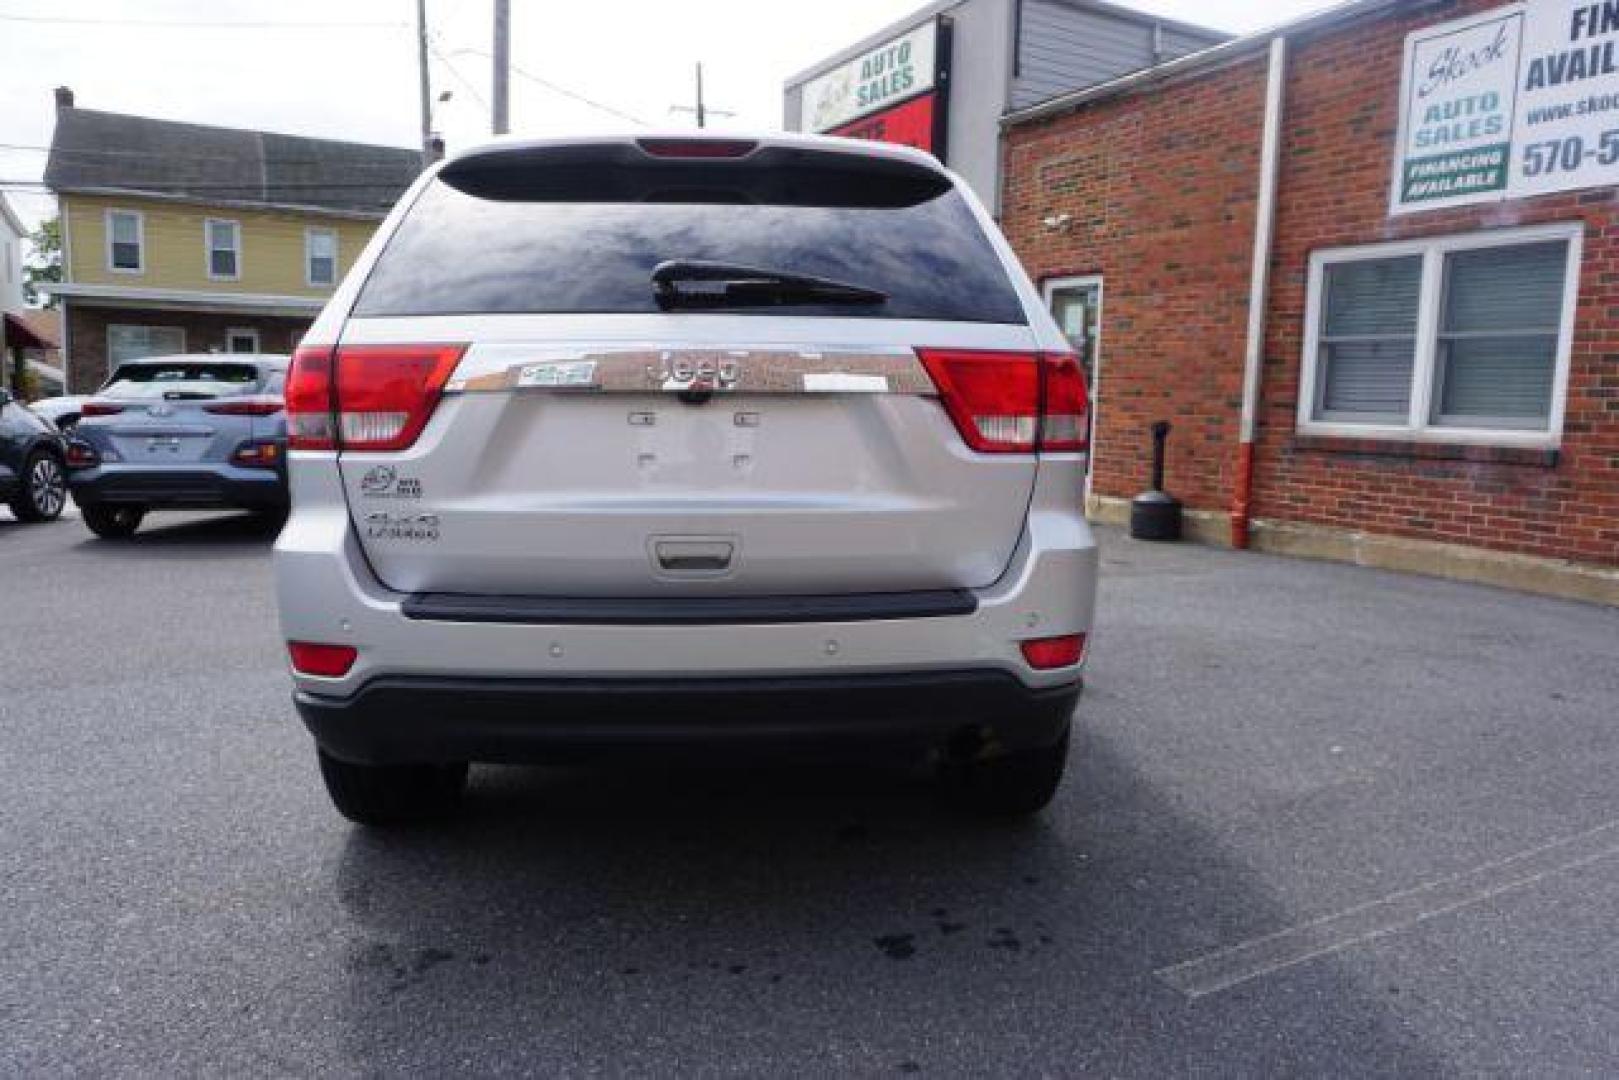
503, 66
702, 111
426, 87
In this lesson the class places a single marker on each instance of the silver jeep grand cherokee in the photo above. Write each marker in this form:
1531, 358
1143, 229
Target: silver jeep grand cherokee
669, 444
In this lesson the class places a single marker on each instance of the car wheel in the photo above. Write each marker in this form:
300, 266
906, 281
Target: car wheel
44, 489
1010, 785
113, 522
392, 794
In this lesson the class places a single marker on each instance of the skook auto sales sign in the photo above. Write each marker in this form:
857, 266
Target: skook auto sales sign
1518, 101
878, 79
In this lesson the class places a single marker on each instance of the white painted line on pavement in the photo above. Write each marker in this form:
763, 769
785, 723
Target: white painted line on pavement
1330, 934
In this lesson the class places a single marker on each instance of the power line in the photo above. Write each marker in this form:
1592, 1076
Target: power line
186, 24
465, 82
562, 90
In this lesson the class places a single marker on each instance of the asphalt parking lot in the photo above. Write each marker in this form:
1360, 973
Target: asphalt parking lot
1321, 820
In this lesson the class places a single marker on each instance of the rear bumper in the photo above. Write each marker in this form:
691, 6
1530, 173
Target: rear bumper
326, 593
176, 488
398, 720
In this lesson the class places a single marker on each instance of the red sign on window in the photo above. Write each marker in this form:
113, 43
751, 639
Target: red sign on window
910, 124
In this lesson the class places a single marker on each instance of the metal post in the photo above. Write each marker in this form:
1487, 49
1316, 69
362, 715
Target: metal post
426, 87
503, 67
1160, 435
702, 117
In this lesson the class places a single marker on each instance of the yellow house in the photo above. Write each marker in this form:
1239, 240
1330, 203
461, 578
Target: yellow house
189, 238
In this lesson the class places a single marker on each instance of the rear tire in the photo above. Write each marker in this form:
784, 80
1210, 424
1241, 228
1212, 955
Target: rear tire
44, 488
1008, 786
112, 522
392, 794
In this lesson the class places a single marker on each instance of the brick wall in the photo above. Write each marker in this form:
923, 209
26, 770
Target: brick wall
205, 332
1161, 186
1160, 189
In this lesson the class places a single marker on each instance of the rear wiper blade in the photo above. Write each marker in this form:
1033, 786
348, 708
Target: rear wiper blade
721, 284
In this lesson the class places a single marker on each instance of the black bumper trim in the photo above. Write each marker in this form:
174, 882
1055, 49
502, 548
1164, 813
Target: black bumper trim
398, 720
687, 610
178, 489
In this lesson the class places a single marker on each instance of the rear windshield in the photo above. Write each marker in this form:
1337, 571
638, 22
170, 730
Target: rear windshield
552, 239
182, 380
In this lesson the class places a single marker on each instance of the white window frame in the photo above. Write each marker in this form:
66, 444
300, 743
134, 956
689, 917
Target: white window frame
208, 248
1048, 289
309, 258
143, 326
140, 239
242, 331
1433, 250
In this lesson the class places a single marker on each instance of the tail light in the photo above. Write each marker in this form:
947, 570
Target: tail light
100, 408
1011, 402
1054, 652
81, 455
323, 661
1065, 406
697, 148
365, 397
309, 400
257, 455
245, 406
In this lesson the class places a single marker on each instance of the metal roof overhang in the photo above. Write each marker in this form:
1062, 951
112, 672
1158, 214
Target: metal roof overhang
125, 296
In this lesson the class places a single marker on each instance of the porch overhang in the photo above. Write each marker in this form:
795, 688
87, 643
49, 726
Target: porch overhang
17, 334
125, 296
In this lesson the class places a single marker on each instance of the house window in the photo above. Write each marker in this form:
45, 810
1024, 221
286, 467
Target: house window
126, 241
135, 342
320, 256
224, 244
242, 340
1461, 338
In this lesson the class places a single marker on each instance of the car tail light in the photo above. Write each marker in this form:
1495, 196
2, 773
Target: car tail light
365, 397
697, 148
1064, 410
1054, 652
257, 455
309, 400
81, 455
386, 393
245, 406
325, 661
100, 408
1011, 402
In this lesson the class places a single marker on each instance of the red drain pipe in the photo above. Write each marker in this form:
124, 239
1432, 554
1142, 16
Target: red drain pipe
1242, 496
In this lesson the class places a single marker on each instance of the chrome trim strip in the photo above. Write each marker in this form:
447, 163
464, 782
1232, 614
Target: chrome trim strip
707, 370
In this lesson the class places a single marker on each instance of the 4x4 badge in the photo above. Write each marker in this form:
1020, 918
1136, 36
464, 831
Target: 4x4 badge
385, 526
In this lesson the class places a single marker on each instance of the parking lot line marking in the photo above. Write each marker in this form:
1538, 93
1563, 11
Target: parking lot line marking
1375, 919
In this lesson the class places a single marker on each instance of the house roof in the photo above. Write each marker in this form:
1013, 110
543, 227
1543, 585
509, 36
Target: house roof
103, 151
1229, 52
34, 328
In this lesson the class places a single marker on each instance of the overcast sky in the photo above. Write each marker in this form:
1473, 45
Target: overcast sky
347, 70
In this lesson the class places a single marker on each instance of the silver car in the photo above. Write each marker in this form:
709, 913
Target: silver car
181, 432
685, 444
